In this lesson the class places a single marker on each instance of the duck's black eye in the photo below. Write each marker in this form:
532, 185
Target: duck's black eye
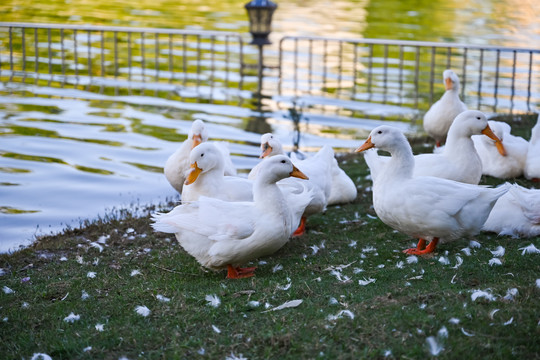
379, 132
202, 155
283, 161
478, 118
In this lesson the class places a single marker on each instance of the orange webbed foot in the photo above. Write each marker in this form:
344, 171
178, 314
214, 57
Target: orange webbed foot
421, 248
301, 228
240, 273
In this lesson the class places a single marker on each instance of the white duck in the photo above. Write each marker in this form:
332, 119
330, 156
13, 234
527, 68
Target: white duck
532, 165
516, 213
317, 167
177, 165
493, 163
458, 160
207, 177
442, 113
424, 207
221, 234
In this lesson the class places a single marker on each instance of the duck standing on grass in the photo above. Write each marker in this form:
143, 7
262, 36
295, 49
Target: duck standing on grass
442, 113
458, 159
177, 165
221, 234
425, 207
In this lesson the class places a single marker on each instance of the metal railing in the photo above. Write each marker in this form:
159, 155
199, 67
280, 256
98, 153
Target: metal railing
117, 60
408, 73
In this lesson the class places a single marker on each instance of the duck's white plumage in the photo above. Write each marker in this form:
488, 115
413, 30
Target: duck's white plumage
177, 165
223, 234
207, 177
442, 113
458, 160
516, 213
343, 189
532, 165
425, 207
493, 163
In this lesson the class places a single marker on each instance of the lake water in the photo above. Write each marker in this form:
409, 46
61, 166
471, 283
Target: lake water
67, 155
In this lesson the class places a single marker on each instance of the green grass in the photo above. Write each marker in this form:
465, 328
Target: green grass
391, 317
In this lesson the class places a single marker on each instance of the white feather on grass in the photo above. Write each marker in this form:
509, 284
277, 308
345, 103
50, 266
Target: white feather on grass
538, 283
444, 260
366, 281
216, 329
97, 246
412, 259
435, 348
498, 252
25, 305
7, 290
235, 357
135, 272
466, 251
3, 272
40, 356
340, 315
213, 300
142, 310
495, 261
100, 327
474, 244
285, 305
91, 274
71, 318
400, 264
442, 333
162, 298
84, 295
277, 268
254, 303
454, 321
530, 249
511, 294
339, 276
466, 333
482, 294
492, 313
509, 321
459, 261
87, 349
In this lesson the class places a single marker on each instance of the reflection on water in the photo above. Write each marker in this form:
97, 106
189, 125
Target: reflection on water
68, 153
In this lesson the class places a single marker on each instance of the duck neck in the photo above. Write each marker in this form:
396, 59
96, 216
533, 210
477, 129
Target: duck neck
268, 197
401, 164
458, 142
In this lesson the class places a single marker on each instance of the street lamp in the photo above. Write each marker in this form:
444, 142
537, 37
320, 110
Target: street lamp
260, 25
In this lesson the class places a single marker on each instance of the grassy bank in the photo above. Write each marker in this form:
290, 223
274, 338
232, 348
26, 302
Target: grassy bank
361, 296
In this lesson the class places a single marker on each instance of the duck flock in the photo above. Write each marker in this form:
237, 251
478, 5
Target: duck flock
225, 221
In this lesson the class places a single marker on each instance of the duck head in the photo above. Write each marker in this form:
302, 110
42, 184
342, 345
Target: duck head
198, 133
270, 146
203, 158
451, 80
473, 122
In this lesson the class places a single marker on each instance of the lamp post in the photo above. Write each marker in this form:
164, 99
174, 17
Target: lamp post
260, 25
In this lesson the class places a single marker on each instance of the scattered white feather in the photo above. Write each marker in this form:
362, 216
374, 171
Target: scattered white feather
25, 305
482, 294
103, 239
380, 266
466, 333
142, 310
453, 279
459, 261
387, 353
371, 216
216, 329
96, 261
434, 347
235, 357
63, 258
201, 351
277, 268
352, 244
442, 333
80, 259
87, 349
498, 252
492, 313
422, 306
254, 304
366, 281
509, 321
466, 251
213, 300
286, 286
8, 290
531, 249
285, 305
333, 301
3, 272
538, 283
340, 315
474, 244
84, 295
162, 298
315, 249
357, 270
40, 356
72, 318
444, 260
97, 246
412, 259
368, 249
339, 275
99, 327
511, 294
91, 274
454, 321
400, 264
135, 272
495, 261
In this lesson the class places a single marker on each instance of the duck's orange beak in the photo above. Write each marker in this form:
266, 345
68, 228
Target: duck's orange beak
367, 145
498, 143
193, 174
298, 174
197, 139
448, 84
267, 149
